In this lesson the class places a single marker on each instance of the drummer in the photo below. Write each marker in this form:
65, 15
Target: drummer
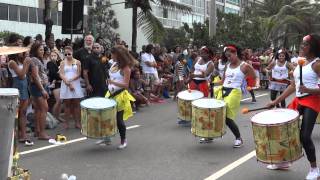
119, 74
202, 72
230, 91
279, 80
306, 101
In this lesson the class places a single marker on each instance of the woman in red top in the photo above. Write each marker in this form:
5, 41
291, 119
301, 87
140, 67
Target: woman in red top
307, 99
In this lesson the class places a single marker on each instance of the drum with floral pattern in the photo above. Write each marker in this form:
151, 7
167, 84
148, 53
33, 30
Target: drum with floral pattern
98, 117
208, 118
184, 103
277, 136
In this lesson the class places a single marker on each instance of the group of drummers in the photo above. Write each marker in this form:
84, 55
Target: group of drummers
208, 116
279, 141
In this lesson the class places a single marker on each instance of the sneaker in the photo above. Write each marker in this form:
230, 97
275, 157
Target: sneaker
123, 145
238, 143
313, 174
101, 142
205, 140
281, 166
254, 101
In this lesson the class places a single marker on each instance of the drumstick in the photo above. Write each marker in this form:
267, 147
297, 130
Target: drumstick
301, 62
246, 110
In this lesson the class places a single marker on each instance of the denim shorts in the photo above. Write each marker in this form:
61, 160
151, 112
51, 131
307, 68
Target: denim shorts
35, 91
22, 86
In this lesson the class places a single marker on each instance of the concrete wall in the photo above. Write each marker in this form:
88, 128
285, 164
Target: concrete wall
124, 17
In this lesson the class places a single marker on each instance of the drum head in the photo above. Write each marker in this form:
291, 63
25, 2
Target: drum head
208, 103
189, 96
98, 103
275, 116
9, 92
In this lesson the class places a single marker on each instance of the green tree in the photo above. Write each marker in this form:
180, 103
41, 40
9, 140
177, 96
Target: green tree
102, 22
175, 37
150, 25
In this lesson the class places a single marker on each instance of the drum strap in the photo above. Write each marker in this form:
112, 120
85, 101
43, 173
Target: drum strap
116, 93
226, 91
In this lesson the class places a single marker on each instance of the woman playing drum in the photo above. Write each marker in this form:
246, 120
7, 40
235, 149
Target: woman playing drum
280, 69
118, 84
235, 73
202, 72
306, 101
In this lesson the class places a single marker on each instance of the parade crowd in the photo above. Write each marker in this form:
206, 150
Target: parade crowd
55, 75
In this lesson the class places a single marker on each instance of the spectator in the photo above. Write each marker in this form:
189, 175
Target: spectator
150, 73
18, 67
38, 89
27, 41
83, 53
94, 73
71, 92
179, 75
55, 81
137, 89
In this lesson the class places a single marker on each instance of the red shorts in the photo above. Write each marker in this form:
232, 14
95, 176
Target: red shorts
203, 87
251, 82
311, 101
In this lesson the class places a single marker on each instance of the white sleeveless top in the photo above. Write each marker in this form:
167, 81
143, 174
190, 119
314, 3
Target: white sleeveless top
116, 76
310, 79
199, 68
280, 72
221, 68
13, 74
233, 77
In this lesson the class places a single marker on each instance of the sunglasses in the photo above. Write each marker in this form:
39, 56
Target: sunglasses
68, 54
95, 47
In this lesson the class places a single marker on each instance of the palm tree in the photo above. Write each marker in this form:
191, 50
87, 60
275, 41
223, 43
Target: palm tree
47, 20
150, 25
295, 20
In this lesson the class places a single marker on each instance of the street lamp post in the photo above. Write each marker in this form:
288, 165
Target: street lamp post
212, 18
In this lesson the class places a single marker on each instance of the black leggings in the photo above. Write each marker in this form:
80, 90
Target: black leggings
233, 127
121, 125
273, 96
309, 117
252, 94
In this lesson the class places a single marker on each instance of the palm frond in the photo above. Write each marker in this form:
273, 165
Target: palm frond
151, 26
174, 5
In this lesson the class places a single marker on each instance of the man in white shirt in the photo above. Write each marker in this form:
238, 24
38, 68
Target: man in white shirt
149, 69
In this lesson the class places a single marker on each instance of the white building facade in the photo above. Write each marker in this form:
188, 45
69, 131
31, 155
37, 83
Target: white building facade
25, 17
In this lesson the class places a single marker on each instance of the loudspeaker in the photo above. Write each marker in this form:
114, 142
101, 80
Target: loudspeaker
72, 13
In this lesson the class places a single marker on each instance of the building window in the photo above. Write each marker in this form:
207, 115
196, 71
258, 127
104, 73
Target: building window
13, 13
39, 17
23, 14
32, 15
3, 11
165, 13
233, 1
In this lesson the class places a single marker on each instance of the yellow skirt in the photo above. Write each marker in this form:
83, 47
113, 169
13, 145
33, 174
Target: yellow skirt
123, 100
232, 101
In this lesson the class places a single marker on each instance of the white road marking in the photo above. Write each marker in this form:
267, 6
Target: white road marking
231, 166
68, 142
238, 162
261, 95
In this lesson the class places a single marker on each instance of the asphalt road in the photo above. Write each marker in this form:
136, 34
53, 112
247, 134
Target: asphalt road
158, 149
